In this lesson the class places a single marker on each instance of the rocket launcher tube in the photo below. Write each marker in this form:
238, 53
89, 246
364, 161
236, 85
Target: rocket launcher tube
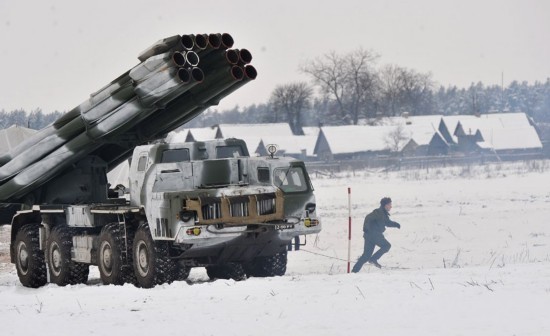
106, 93
42, 134
250, 73
168, 59
48, 167
214, 41
99, 104
201, 41
127, 116
217, 58
187, 41
227, 41
35, 152
105, 107
159, 47
161, 84
245, 57
212, 85
196, 76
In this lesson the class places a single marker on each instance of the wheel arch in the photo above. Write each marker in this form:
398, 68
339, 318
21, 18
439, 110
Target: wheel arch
22, 218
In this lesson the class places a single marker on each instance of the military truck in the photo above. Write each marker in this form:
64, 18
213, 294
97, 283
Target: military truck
202, 204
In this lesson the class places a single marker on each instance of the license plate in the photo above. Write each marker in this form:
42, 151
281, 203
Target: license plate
284, 226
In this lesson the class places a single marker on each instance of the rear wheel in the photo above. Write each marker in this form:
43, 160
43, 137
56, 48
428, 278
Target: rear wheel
29, 259
269, 266
152, 263
63, 271
113, 268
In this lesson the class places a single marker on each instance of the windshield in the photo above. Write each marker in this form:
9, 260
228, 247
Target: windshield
290, 179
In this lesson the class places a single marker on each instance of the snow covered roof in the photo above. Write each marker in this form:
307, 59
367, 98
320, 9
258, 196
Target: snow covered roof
364, 138
511, 138
254, 130
203, 133
291, 144
471, 123
193, 134
13, 136
252, 134
177, 137
499, 130
414, 121
311, 130
355, 138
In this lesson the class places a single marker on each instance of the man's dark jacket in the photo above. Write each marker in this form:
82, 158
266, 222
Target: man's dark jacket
377, 221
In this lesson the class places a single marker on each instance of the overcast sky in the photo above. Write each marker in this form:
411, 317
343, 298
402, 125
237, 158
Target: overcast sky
55, 53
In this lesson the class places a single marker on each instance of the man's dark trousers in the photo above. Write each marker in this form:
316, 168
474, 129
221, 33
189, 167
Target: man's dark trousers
372, 239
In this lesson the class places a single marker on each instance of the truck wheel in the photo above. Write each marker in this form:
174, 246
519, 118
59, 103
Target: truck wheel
64, 271
231, 270
152, 263
181, 272
269, 266
112, 268
29, 259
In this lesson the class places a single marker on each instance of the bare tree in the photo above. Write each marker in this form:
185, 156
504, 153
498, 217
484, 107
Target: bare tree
405, 90
291, 100
390, 88
396, 138
417, 92
349, 80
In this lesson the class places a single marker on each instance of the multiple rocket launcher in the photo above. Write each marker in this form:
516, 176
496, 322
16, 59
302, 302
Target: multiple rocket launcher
177, 79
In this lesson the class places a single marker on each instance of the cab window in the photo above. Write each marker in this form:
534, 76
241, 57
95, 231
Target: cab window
175, 155
224, 152
263, 174
142, 163
291, 179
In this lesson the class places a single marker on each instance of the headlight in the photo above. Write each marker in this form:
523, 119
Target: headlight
185, 216
310, 207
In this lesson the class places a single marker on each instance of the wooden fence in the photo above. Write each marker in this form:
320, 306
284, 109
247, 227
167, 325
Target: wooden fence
418, 162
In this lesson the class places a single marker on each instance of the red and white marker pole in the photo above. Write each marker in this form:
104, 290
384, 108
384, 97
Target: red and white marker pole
349, 228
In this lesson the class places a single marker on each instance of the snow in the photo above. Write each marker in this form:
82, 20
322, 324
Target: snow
355, 138
511, 138
294, 144
472, 258
12, 136
255, 130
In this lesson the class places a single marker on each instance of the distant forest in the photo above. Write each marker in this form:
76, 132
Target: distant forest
346, 88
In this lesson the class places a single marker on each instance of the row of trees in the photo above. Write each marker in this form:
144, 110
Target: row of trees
345, 88
351, 87
36, 119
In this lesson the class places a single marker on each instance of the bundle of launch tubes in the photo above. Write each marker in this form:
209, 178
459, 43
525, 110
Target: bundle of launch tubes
177, 79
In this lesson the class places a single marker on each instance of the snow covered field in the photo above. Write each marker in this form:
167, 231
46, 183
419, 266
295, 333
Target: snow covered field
472, 258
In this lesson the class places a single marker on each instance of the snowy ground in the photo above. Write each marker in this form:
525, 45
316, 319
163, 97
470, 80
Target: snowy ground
472, 258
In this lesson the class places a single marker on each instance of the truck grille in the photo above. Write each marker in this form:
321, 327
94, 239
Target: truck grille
266, 204
244, 209
238, 206
212, 209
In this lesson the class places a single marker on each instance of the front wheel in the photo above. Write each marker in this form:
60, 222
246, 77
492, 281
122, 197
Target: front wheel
181, 272
229, 270
29, 259
269, 266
